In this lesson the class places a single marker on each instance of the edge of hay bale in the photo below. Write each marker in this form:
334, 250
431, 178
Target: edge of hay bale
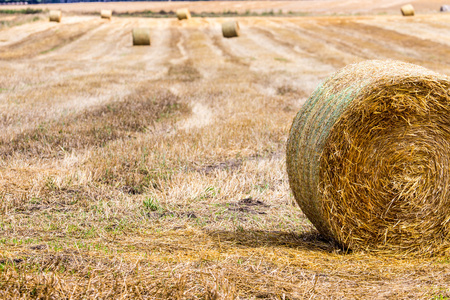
55, 16
407, 10
230, 29
141, 36
106, 14
311, 139
183, 14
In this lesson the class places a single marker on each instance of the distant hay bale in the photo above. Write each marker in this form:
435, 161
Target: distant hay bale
55, 16
407, 10
230, 29
141, 36
445, 8
106, 14
183, 14
368, 158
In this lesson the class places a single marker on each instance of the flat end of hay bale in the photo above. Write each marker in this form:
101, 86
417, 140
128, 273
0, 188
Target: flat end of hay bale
230, 29
183, 14
407, 10
55, 16
106, 14
141, 36
368, 158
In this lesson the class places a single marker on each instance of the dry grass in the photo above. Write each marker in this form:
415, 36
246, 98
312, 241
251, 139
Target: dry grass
158, 172
45, 41
310, 7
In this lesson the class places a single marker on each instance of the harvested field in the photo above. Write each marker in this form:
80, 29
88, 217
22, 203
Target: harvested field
159, 172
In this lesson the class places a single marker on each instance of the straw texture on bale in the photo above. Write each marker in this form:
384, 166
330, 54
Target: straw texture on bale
141, 36
183, 14
407, 10
230, 29
55, 16
445, 8
106, 14
368, 158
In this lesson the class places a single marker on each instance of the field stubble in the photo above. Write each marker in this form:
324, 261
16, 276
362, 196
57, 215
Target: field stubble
160, 172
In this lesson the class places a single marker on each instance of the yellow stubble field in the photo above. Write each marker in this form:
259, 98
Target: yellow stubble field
159, 172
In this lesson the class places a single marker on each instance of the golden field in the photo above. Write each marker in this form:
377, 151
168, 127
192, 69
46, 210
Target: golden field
159, 172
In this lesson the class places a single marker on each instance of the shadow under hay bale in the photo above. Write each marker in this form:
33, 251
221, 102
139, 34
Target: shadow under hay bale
106, 14
368, 158
183, 14
55, 16
407, 10
141, 36
230, 29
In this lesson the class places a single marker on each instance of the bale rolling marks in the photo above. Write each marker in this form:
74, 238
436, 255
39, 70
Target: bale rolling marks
183, 14
368, 158
141, 36
55, 16
407, 10
106, 14
230, 29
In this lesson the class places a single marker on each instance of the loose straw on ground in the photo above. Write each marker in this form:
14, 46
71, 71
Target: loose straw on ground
183, 14
230, 29
141, 36
55, 16
368, 158
106, 14
407, 10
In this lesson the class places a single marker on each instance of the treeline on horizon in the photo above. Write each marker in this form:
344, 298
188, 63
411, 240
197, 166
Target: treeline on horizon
71, 1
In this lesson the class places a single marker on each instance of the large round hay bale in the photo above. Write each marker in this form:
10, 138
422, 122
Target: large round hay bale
407, 10
55, 16
368, 158
445, 8
230, 29
183, 13
141, 36
106, 14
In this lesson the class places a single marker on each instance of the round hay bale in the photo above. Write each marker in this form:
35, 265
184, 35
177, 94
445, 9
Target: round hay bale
407, 10
183, 13
55, 16
368, 158
445, 8
106, 14
230, 29
141, 36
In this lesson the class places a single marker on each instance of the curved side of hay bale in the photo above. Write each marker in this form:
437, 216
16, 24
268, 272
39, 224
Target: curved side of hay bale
106, 14
445, 8
407, 10
368, 158
183, 14
55, 16
141, 36
230, 29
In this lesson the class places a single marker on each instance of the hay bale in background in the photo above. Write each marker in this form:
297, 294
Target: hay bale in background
230, 29
407, 10
106, 14
445, 8
55, 16
368, 158
141, 36
183, 14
